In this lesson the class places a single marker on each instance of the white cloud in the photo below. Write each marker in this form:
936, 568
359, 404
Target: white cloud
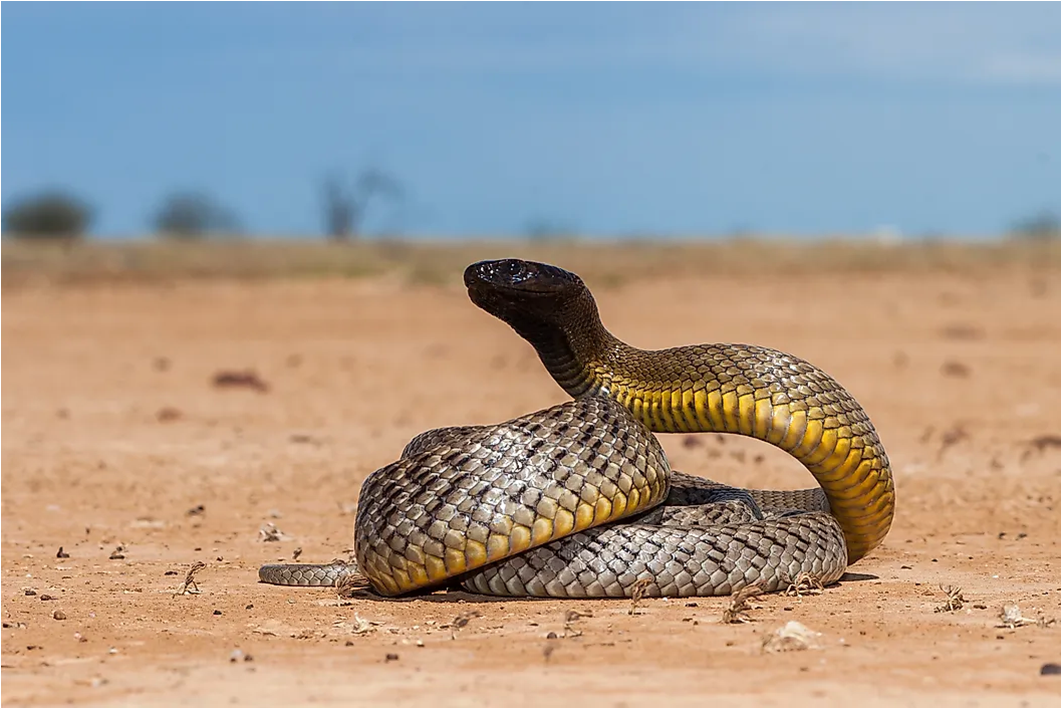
1011, 43
962, 43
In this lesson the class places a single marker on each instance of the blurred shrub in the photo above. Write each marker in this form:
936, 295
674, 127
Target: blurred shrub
1042, 227
49, 215
192, 215
541, 229
344, 207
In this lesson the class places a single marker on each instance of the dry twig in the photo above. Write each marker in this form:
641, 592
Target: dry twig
460, 622
805, 583
739, 604
638, 593
954, 602
189, 585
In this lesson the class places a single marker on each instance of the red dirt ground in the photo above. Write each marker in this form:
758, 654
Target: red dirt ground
118, 448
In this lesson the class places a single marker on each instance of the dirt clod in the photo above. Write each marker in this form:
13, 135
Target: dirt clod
240, 379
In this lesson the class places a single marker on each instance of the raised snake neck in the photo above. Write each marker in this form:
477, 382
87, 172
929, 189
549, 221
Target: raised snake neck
727, 388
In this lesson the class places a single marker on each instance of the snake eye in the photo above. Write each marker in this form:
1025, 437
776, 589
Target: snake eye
519, 275
513, 271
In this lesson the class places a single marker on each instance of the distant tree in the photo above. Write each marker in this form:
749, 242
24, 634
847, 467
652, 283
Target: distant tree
345, 206
48, 215
543, 229
192, 215
1042, 226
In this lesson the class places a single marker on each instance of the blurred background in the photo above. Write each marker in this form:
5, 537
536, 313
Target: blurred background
531, 121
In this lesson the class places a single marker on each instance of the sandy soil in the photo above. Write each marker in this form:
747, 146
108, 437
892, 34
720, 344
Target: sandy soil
119, 449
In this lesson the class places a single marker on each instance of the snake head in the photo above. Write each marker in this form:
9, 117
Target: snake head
519, 291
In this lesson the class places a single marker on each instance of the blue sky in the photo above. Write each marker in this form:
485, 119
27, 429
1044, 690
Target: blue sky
614, 119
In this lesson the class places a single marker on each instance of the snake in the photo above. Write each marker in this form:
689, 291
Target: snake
578, 500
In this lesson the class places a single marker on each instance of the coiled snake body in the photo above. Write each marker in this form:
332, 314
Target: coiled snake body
530, 506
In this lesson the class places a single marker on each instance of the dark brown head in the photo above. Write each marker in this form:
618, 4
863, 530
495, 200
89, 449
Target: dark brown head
529, 296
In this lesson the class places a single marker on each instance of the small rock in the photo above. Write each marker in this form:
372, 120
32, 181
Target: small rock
391, 657
951, 368
167, 414
1010, 616
59, 615
61, 554
791, 636
1051, 668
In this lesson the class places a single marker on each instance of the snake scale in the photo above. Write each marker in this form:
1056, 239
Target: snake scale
532, 506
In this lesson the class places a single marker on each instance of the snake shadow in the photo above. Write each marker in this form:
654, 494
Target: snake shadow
459, 595
851, 576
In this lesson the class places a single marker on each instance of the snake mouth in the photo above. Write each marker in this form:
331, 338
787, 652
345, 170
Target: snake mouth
519, 277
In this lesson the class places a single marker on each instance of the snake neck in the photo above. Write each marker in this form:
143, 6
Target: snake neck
746, 390
577, 352
741, 389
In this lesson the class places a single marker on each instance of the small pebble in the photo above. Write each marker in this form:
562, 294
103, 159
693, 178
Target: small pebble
391, 657
551, 635
1051, 668
59, 615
